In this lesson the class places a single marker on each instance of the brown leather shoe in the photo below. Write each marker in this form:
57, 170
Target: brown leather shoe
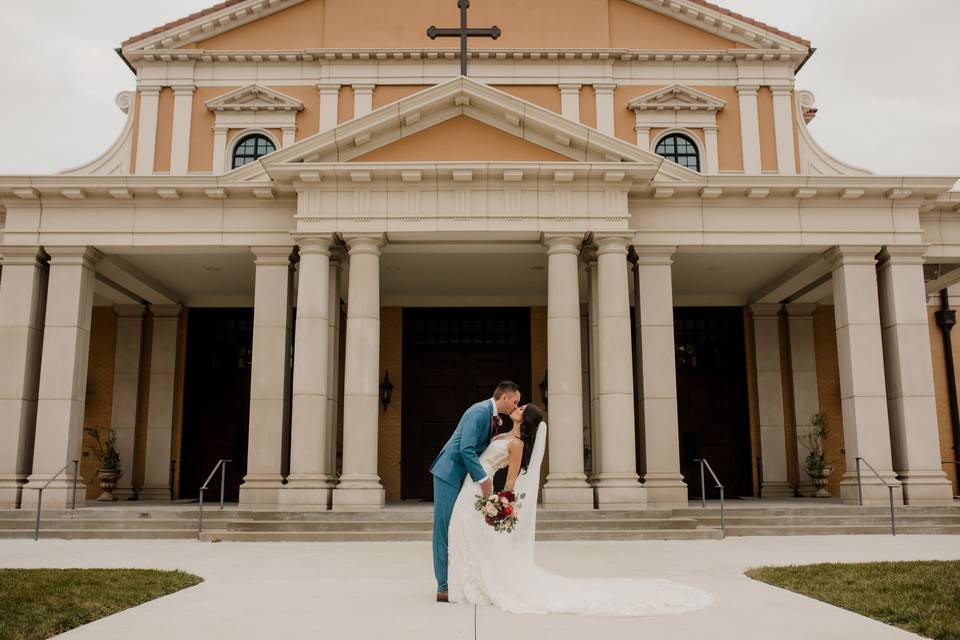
442, 596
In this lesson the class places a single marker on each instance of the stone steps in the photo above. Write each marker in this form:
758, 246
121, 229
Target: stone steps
846, 529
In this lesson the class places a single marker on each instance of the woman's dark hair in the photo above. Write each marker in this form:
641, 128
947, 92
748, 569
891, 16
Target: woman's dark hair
529, 424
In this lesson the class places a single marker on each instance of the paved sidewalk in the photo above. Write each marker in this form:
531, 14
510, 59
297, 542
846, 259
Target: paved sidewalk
385, 590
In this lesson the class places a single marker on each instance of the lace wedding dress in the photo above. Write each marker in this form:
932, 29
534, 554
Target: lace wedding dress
487, 567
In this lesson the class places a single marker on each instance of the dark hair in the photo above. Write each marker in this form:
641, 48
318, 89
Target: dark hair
529, 425
505, 387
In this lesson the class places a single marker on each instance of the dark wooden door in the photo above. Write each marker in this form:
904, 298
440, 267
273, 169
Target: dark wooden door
712, 398
453, 358
216, 403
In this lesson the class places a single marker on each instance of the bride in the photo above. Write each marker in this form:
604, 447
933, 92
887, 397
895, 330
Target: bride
488, 567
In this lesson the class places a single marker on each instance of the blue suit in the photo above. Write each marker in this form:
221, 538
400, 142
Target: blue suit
458, 457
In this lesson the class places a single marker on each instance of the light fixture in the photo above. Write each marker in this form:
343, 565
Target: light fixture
543, 389
386, 390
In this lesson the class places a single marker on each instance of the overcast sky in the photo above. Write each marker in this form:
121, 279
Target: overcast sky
886, 76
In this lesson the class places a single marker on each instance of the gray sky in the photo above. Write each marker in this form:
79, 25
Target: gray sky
886, 76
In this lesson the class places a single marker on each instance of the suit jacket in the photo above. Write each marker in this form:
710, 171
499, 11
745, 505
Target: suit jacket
460, 455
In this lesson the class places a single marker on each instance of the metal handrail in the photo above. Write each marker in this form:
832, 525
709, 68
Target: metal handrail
223, 480
890, 488
73, 494
703, 491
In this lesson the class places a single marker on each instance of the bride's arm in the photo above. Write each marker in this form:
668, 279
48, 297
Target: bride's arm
515, 449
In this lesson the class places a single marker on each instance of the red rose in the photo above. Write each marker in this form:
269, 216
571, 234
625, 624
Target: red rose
507, 511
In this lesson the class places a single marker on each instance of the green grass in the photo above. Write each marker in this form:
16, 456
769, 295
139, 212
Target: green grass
40, 603
921, 596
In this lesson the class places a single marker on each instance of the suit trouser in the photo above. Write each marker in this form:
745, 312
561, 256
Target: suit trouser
444, 497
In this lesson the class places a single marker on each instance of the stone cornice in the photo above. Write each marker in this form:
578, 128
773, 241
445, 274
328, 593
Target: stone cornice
254, 98
676, 97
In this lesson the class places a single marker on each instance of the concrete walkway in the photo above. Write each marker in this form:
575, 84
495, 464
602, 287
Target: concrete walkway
385, 590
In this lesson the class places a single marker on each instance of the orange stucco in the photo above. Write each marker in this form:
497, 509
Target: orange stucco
544, 96
201, 128
308, 120
623, 118
338, 24
730, 151
461, 139
161, 154
768, 135
387, 93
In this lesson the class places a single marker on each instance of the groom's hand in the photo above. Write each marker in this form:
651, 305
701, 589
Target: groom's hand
486, 487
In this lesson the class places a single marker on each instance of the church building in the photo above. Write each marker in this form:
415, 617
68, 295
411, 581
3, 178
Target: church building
330, 226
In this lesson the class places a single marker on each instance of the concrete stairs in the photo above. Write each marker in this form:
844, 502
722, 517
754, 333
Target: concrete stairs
414, 523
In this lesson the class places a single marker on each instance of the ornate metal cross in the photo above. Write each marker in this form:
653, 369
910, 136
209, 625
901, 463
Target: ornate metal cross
463, 33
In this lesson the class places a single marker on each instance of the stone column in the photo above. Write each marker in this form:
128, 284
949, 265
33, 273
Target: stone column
908, 364
23, 294
773, 441
333, 362
63, 375
289, 136
603, 96
806, 397
163, 371
566, 485
221, 164
863, 393
311, 481
126, 384
570, 102
783, 128
329, 106
359, 487
749, 128
147, 129
594, 367
659, 421
617, 484
269, 377
182, 115
643, 137
362, 99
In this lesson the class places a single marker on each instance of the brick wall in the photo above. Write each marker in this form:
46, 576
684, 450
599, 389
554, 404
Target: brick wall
390, 439
828, 388
99, 395
947, 445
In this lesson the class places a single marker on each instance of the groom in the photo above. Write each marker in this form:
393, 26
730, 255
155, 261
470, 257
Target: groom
459, 457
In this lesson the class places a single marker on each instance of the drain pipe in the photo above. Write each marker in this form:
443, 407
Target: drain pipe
946, 318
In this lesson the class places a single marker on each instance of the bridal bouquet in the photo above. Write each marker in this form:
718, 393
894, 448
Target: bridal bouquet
500, 510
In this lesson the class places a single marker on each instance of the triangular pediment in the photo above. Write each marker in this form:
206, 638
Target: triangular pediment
254, 98
676, 97
519, 126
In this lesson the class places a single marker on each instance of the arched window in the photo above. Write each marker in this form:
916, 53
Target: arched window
680, 149
251, 147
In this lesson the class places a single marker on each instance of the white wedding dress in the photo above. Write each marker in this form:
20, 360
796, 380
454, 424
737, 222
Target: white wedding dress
487, 567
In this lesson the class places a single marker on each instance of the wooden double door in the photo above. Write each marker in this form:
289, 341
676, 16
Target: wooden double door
452, 358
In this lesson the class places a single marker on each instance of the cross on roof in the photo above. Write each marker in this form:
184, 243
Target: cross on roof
463, 33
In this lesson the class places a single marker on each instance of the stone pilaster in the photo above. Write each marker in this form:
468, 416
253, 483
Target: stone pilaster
269, 377
570, 101
329, 106
359, 487
126, 383
617, 485
63, 374
908, 365
23, 295
163, 371
362, 99
566, 485
863, 393
749, 128
806, 397
659, 422
603, 96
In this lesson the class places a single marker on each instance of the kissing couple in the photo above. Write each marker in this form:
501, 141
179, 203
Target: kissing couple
476, 563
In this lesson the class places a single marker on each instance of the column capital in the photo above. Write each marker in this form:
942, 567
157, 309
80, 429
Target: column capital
765, 310
369, 243
562, 243
28, 256
612, 242
165, 310
88, 256
654, 254
710, 128
604, 87
129, 310
274, 255
781, 89
329, 89
363, 88
314, 244
800, 309
641, 128
748, 89
909, 254
183, 88
570, 88
841, 255
149, 90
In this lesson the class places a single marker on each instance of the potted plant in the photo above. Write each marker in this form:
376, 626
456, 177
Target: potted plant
816, 463
109, 471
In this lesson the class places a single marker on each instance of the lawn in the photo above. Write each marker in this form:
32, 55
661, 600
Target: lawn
40, 603
920, 596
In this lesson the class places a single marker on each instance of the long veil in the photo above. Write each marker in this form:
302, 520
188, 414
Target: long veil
528, 483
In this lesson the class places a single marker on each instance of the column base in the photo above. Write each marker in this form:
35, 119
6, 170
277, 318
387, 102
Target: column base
11, 489
261, 490
619, 491
161, 494
926, 488
314, 493
359, 493
665, 490
776, 489
874, 493
568, 492
125, 493
57, 495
